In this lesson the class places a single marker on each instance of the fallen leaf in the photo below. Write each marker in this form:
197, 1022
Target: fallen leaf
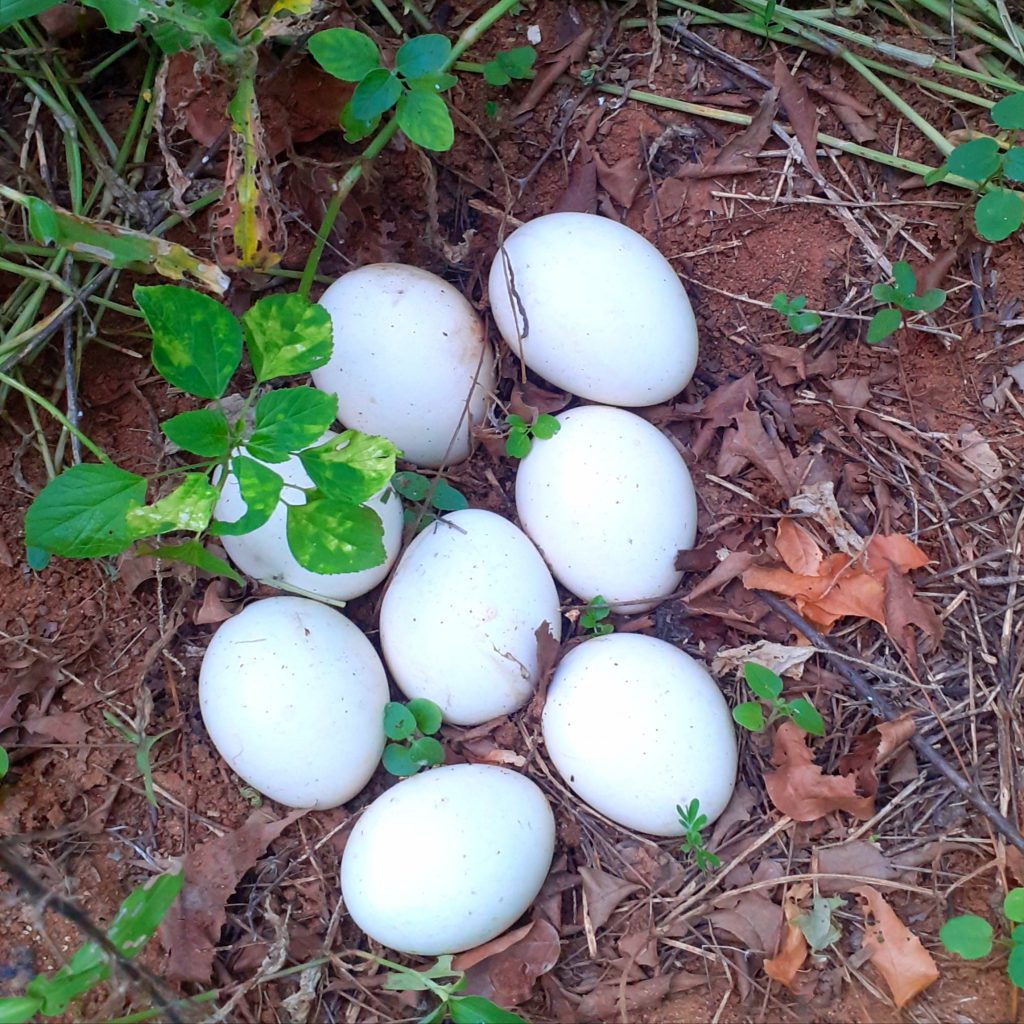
797, 548
580, 195
904, 610
872, 748
783, 967
893, 551
61, 726
977, 453
785, 363
818, 500
801, 113
192, 927
529, 400
548, 652
609, 1000
721, 407
908, 968
505, 969
653, 867
39, 677
737, 811
801, 789
754, 919
622, 180
850, 395
857, 858
213, 609
733, 565
604, 892
551, 69
816, 924
752, 443
743, 148
780, 658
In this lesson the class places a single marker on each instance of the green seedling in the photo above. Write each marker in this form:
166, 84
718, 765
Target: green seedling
411, 728
900, 297
768, 687
413, 87
49, 995
143, 744
999, 211
444, 982
693, 842
522, 434
96, 509
800, 319
764, 19
5, 763
591, 618
509, 64
971, 937
436, 496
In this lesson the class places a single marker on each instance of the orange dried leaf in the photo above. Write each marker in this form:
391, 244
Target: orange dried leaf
784, 967
908, 968
797, 548
894, 550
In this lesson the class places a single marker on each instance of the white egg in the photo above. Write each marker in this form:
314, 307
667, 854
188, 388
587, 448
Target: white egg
637, 727
609, 502
594, 308
448, 859
293, 695
410, 361
458, 622
264, 554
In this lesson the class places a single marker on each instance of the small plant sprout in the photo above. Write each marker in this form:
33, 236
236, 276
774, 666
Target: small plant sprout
521, 434
5, 763
436, 496
694, 822
143, 745
999, 211
971, 937
900, 297
508, 64
413, 87
591, 618
411, 729
800, 319
767, 686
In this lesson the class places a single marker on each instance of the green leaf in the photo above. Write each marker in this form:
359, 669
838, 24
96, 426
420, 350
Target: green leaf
344, 53
447, 499
495, 74
399, 721
433, 83
191, 552
477, 1010
81, 513
1013, 163
397, 761
18, 1009
375, 94
424, 118
188, 507
903, 278
885, 293
936, 174
5, 762
806, 716
998, 214
286, 334
335, 536
411, 486
290, 420
749, 715
976, 160
427, 714
201, 432
351, 467
517, 62
408, 979
37, 558
763, 681
426, 751
546, 427
968, 936
260, 488
16, 10
424, 55
780, 302
1015, 966
515, 421
1013, 905
197, 343
517, 444
884, 323
1009, 112
817, 925
356, 130
927, 303
804, 323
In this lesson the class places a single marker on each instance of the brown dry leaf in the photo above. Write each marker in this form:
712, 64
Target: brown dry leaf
785, 363
213, 609
742, 149
611, 1000
851, 395
754, 919
893, 550
903, 610
801, 113
736, 563
908, 968
801, 789
604, 893
551, 69
507, 970
548, 651
737, 811
721, 407
580, 194
797, 548
61, 726
783, 967
21, 679
858, 858
529, 400
977, 453
651, 866
191, 929
751, 442
782, 659
622, 180
872, 748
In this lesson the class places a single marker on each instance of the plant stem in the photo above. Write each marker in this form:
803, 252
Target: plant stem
385, 13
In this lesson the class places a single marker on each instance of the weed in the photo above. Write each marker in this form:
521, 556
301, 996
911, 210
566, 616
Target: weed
800, 319
521, 434
5, 763
437, 495
143, 744
49, 995
768, 687
591, 618
515, 63
971, 938
92, 510
414, 723
764, 19
999, 211
693, 842
900, 297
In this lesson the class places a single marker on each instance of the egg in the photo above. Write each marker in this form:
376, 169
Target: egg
410, 361
609, 502
264, 553
458, 622
447, 859
636, 727
292, 695
595, 309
